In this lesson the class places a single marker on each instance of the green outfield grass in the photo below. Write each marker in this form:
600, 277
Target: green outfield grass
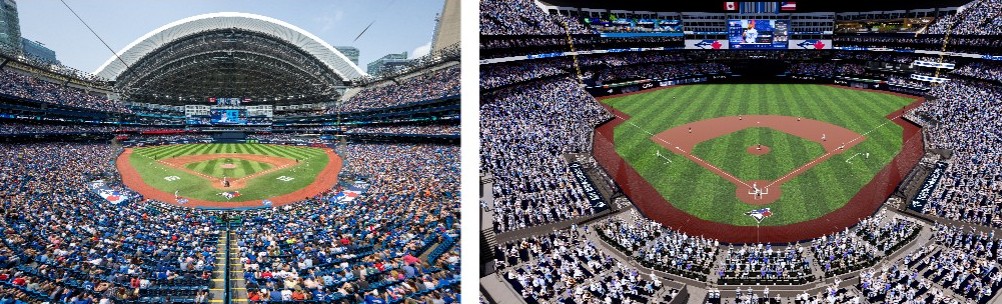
161, 176
787, 152
816, 192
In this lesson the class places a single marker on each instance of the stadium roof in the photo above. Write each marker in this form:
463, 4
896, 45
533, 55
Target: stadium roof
228, 54
718, 6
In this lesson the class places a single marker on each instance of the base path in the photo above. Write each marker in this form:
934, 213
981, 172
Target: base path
324, 181
682, 139
654, 206
277, 163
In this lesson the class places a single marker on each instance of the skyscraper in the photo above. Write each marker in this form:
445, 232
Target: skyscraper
10, 25
350, 52
387, 63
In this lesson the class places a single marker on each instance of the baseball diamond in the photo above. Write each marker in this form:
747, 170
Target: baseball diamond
710, 131
200, 173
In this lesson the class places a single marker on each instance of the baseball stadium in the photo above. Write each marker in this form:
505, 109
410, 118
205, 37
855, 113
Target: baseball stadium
230, 157
740, 152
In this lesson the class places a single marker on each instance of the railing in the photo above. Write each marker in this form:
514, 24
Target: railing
226, 271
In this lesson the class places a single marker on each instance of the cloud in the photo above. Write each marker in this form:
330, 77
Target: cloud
422, 50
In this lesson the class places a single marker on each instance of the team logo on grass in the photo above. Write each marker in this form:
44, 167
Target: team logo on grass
759, 214
230, 194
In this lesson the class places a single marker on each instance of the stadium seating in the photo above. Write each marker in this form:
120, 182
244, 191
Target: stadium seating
31, 87
526, 141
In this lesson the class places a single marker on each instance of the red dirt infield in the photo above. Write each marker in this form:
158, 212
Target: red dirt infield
324, 181
654, 206
683, 138
277, 163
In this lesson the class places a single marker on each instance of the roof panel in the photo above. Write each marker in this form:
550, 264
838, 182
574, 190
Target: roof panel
168, 33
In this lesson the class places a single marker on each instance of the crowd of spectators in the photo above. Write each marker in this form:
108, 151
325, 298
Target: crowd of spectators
968, 264
64, 243
503, 74
812, 69
826, 70
841, 252
524, 133
659, 71
659, 247
981, 70
23, 128
896, 283
429, 85
34, 88
565, 267
762, 263
906, 81
920, 42
364, 249
886, 234
423, 130
980, 17
520, 17
970, 189
67, 243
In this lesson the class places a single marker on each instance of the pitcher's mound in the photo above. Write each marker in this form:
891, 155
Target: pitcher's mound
758, 149
228, 166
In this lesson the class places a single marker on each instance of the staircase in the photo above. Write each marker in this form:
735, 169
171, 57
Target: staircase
238, 286
228, 284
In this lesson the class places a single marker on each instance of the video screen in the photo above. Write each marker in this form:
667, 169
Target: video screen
228, 117
758, 34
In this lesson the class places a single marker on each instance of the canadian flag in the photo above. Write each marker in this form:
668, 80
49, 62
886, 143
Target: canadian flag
730, 6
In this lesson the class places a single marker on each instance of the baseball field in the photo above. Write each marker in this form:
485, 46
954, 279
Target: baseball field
720, 151
228, 174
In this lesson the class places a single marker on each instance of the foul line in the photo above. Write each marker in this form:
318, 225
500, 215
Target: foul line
686, 153
796, 171
828, 153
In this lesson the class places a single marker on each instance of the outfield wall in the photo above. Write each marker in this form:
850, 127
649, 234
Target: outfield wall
654, 206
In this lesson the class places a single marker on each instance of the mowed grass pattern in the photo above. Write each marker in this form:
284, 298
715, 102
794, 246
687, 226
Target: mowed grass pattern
787, 152
312, 161
215, 168
816, 192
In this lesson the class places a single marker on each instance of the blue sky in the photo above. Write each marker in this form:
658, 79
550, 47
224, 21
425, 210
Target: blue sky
401, 25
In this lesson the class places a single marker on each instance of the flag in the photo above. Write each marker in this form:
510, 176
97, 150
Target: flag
788, 6
730, 6
759, 214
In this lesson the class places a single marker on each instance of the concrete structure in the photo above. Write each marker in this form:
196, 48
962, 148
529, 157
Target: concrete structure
447, 31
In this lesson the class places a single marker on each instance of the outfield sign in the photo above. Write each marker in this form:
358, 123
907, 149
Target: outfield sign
597, 203
918, 203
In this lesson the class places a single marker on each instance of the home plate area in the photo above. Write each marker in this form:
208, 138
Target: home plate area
692, 140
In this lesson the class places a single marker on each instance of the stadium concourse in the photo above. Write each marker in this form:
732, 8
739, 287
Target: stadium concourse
559, 224
387, 232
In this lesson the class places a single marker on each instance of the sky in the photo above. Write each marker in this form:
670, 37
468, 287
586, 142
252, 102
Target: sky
400, 25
